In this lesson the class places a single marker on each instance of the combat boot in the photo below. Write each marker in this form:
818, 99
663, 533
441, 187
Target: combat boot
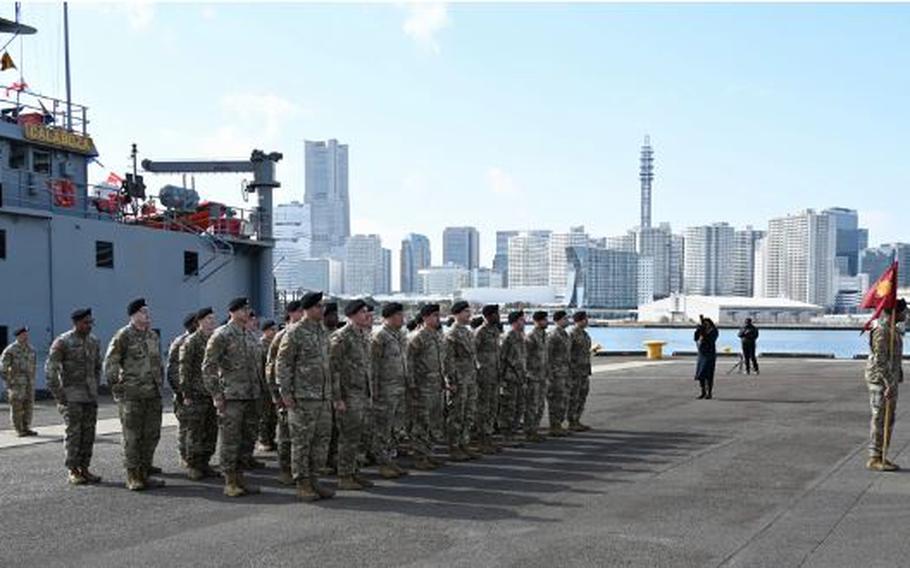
575, 427
366, 483
134, 481
458, 455
153, 470
306, 491
195, 474
387, 471
471, 452
75, 477
424, 464
584, 427
231, 487
285, 477
89, 476
877, 464
249, 489
321, 490
486, 446
253, 463
210, 471
348, 483
150, 482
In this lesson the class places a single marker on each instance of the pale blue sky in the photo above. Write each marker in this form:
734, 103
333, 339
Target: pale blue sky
513, 115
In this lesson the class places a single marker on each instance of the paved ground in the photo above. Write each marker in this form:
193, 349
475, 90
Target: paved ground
770, 473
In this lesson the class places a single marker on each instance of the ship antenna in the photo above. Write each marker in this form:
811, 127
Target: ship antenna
66, 48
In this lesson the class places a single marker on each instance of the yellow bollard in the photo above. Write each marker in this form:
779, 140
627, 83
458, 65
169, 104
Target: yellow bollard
655, 349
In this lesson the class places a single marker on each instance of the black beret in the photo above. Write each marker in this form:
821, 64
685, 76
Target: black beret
204, 312
559, 314
135, 306
459, 307
539, 315
22, 329
476, 322
293, 306
238, 304
253, 314
901, 304
579, 316
267, 324
428, 310
490, 309
355, 306
190, 320
413, 323
310, 299
391, 308
330, 308
514, 316
81, 314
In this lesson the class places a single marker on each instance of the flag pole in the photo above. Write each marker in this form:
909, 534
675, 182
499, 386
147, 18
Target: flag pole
892, 330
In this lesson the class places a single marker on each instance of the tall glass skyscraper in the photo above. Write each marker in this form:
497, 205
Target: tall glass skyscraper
461, 247
327, 195
415, 255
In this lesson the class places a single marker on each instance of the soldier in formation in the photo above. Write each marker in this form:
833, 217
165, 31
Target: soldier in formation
486, 344
17, 366
579, 371
172, 373
268, 418
201, 417
515, 376
294, 312
388, 356
538, 373
426, 372
884, 373
461, 384
558, 361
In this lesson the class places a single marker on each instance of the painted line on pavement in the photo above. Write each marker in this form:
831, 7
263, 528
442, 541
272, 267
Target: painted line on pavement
54, 433
608, 367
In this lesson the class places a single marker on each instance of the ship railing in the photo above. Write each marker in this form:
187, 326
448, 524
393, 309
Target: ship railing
19, 104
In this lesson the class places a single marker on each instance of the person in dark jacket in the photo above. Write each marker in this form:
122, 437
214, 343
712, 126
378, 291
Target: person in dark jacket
706, 338
749, 335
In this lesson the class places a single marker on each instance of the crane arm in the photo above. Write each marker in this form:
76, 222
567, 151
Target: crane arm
198, 167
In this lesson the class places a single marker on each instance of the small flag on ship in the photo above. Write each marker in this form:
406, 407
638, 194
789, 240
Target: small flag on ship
882, 295
6, 62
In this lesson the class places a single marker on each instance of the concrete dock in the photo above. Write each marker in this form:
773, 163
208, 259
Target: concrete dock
769, 473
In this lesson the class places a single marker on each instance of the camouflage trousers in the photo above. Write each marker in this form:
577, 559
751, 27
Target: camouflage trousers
250, 433
556, 398
437, 410
201, 421
182, 430
509, 410
877, 425
461, 413
140, 420
80, 419
578, 394
488, 406
268, 421
352, 424
237, 426
283, 440
311, 429
423, 401
388, 421
21, 404
533, 410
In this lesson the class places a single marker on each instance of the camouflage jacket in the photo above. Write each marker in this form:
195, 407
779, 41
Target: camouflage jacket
388, 351
426, 363
514, 357
536, 343
579, 352
73, 367
884, 366
461, 358
172, 369
257, 356
486, 343
191, 356
302, 363
17, 363
349, 359
558, 352
265, 345
271, 380
229, 366
132, 365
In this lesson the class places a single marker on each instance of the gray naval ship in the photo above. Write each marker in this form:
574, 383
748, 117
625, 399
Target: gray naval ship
66, 244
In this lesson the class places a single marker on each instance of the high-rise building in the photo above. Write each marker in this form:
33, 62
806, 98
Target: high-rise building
501, 259
708, 259
874, 261
677, 263
743, 262
645, 280
528, 261
384, 285
443, 280
800, 262
327, 195
655, 242
646, 176
760, 270
461, 246
486, 278
850, 239
625, 243
415, 254
603, 278
363, 265
292, 243
322, 274
558, 242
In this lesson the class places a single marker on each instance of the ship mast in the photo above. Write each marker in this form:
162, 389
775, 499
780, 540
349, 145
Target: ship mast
66, 44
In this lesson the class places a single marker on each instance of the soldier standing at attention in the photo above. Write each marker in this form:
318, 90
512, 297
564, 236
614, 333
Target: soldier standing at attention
332, 324
884, 372
230, 373
538, 370
515, 376
133, 370
17, 362
268, 418
461, 380
580, 369
73, 371
251, 431
426, 369
172, 373
388, 348
486, 343
558, 360
294, 313
305, 385
349, 360
201, 416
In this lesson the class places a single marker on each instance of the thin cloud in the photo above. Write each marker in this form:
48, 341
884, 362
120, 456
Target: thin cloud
424, 22
500, 182
140, 15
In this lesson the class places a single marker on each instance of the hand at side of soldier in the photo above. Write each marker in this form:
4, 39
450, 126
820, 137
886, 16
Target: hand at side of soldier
219, 404
340, 406
61, 406
288, 402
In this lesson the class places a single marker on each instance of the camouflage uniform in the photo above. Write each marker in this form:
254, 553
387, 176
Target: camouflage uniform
229, 372
17, 362
558, 360
271, 379
389, 374
268, 419
133, 370
513, 361
438, 410
73, 371
425, 372
251, 429
302, 369
486, 342
580, 372
349, 356
172, 373
201, 417
538, 371
883, 369
461, 372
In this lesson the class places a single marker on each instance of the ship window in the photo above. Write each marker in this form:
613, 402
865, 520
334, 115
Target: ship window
104, 254
190, 263
2, 243
41, 162
18, 155
4, 335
